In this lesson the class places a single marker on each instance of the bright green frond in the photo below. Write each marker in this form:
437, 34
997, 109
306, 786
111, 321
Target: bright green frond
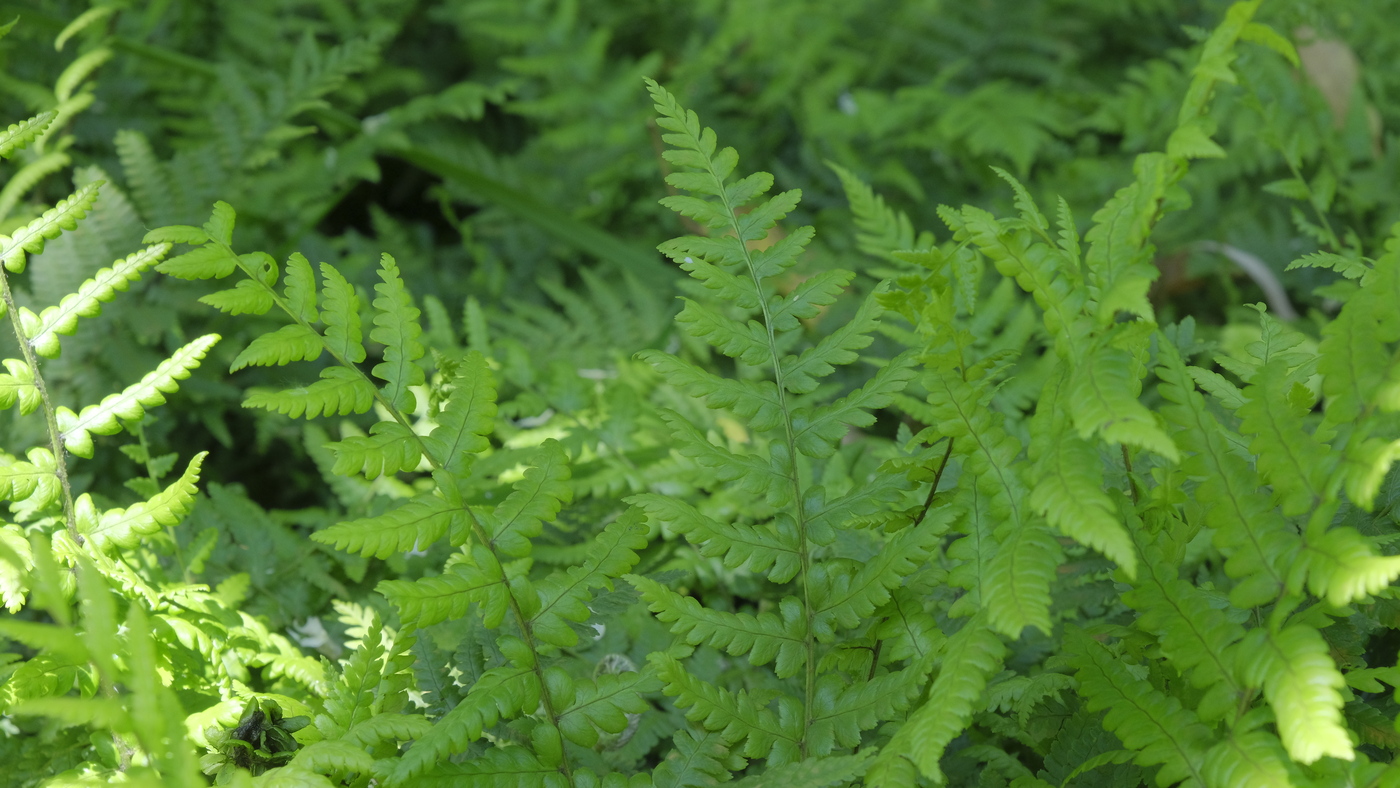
603, 705
412, 526
534, 500
17, 385
105, 417
496, 692
125, 527
389, 448
21, 134
800, 373
758, 548
340, 311
817, 432
31, 237
396, 327
1303, 687
289, 343
468, 416
755, 400
339, 392
564, 596
88, 300
973, 655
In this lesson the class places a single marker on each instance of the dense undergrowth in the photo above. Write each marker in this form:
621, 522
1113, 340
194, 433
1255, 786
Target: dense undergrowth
1030, 424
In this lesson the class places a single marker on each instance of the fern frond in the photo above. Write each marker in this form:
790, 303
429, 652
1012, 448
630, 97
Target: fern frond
973, 654
738, 716
468, 416
396, 327
31, 237
339, 392
430, 600
1248, 529
498, 767
43, 329
1103, 402
764, 638
564, 596
1342, 567
841, 599
340, 311
245, 298
1148, 722
36, 479
1195, 636
758, 548
104, 417
17, 385
1303, 687
412, 526
294, 342
755, 400
1069, 494
1119, 257
818, 431
841, 712
388, 449
1246, 759
603, 705
497, 692
21, 134
125, 527
754, 474
697, 760
535, 499
800, 374
880, 228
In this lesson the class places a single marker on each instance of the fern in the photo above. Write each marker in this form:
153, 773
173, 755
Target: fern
824, 713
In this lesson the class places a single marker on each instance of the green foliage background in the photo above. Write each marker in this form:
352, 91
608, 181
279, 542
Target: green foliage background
1034, 430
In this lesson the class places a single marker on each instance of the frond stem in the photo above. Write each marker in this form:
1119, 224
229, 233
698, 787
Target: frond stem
70, 517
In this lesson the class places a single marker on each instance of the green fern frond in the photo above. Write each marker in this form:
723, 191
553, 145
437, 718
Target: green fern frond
697, 760
1342, 567
21, 134
396, 327
800, 374
340, 311
760, 550
564, 596
972, 656
1148, 722
36, 479
844, 600
1303, 687
1251, 532
468, 416
43, 329
125, 527
1119, 254
755, 400
411, 526
17, 385
104, 418
497, 692
339, 392
603, 705
818, 431
881, 229
1103, 400
738, 716
764, 638
294, 342
31, 237
388, 449
535, 499
840, 712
